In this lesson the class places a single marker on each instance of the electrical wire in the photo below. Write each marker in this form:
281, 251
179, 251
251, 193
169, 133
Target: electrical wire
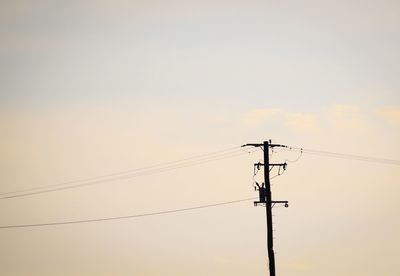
278, 174
297, 159
124, 172
139, 172
347, 156
177, 164
125, 217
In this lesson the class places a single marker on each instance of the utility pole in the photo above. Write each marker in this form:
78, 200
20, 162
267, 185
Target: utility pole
265, 197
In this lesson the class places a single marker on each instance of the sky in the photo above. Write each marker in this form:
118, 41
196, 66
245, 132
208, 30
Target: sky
89, 88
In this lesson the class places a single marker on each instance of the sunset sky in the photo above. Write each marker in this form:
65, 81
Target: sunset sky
89, 88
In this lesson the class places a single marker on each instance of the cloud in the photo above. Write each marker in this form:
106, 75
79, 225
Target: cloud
301, 121
390, 114
261, 115
346, 117
293, 120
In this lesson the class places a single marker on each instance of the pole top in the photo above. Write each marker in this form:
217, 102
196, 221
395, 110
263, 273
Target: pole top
261, 145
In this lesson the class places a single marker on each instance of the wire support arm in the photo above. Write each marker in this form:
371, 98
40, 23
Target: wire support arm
271, 164
261, 145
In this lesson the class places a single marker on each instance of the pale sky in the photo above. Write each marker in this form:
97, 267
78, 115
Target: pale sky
89, 88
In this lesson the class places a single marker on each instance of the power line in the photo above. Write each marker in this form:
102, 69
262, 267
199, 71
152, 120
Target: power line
125, 217
121, 176
177, 164
346, 156
123, 172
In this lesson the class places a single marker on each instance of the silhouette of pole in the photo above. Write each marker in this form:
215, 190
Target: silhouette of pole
265, 197
268, 208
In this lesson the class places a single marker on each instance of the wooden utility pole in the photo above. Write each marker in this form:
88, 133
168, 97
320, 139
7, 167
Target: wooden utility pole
265, 198
268, 208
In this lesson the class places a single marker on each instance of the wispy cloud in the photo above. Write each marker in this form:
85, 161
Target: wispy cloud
301, 121
390, 114
260, 115
294, 121
346, 117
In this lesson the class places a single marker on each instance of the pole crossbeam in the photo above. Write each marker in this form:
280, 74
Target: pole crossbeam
271, 164
263, 145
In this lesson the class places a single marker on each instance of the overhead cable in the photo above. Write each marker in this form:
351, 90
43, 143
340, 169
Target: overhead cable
346, 156
149, 170
124, 217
